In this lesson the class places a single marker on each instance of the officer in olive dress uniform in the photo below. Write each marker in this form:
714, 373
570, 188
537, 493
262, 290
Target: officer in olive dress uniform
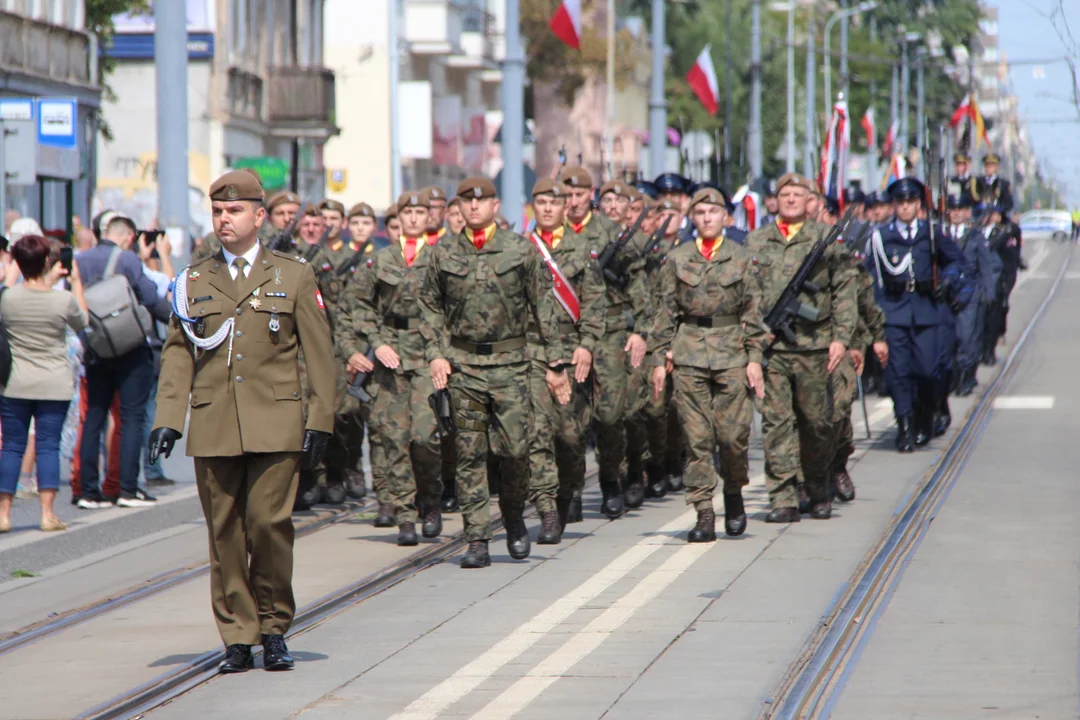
239, 320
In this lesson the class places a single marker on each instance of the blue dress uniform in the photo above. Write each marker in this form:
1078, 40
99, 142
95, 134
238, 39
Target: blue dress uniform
918, 318
985, 267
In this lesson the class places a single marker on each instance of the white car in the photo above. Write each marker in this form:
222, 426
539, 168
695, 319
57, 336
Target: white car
1055, 223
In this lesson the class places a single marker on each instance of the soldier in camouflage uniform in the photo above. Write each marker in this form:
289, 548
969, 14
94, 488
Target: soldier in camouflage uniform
708, 327
480, 291
626, 306
388, 315
455, 218
798, 408
557, 444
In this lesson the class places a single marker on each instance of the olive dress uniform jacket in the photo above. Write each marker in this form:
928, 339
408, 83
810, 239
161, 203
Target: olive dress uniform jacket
254, 404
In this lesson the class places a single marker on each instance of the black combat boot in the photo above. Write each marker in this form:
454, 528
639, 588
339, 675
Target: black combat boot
924, 424
657, 484
734, 514
845, 489
432, 526
942, 416
705, 530
406, 535
333, 493
612, 504
905, 443
449, 497
517, 534
562, 507
386, 516
674, 483
550, 529
821, 510
635, 490
804, 500
574, 512
476, 556
355, 487
783, 515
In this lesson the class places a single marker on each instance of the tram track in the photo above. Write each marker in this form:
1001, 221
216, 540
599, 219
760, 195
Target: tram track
814, 682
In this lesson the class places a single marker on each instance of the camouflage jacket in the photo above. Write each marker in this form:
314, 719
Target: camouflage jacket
626, 307
778, 259
385, 309
487, 296
694, 293
871, 325
579, 266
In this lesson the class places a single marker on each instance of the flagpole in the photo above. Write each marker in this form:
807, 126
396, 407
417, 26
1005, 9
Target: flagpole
790, 164
512, 191
657, 106
610, 81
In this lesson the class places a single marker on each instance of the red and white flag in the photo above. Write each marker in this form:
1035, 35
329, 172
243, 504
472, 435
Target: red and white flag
970, 109
566, 23
702, 80
747, 205
890, 139
870, 128
834, 154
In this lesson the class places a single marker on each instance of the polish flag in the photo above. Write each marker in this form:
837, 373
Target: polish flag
834, 154
566, 23
870, 128
970, 109
702, 80
890, 139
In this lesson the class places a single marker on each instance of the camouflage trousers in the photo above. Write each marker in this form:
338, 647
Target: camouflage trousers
648, 427
611, 400
797, 422
492, 409
557, 443
408, 436
845, 389
716, 411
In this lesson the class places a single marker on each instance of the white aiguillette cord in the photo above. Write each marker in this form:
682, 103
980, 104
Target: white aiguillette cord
180, 300
880, 258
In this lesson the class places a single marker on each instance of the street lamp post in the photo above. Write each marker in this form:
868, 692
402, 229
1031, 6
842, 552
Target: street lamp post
790, 164
836, 17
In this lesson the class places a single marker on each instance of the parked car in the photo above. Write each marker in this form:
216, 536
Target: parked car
1055, 223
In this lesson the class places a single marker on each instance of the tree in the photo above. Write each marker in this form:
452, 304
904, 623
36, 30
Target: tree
99, 21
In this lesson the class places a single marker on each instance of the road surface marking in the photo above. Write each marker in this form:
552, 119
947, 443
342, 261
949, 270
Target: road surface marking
1024, 402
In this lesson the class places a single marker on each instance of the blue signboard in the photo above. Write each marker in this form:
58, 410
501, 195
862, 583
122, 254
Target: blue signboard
13, 108
140, 46
57, 120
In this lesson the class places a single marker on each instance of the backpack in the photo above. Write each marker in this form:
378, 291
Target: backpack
118, 323
5, 349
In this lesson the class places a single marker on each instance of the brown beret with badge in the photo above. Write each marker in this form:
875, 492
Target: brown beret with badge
796, 180
434, 192
391, 212
311, 211
547, 186
708, 196
621, 189
237, 185
282, 198
413, 198
361, 209
332, 206
476, 187
576, 176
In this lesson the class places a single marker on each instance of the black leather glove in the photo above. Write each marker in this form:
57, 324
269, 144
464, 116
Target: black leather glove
941, 292
162, 440
315, 442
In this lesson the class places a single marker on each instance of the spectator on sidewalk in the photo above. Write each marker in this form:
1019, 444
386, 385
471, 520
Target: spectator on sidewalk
36, 318
130, 375
159, 253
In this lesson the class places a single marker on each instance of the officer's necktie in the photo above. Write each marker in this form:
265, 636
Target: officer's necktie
241, 279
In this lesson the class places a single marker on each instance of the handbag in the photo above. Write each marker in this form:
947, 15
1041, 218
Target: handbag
5, 349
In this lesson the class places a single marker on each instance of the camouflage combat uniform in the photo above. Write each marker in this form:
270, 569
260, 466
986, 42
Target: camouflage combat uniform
402, 423
796, 377
477, 304
708, 314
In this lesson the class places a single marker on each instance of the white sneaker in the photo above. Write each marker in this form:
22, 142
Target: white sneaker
87, 504
139, 498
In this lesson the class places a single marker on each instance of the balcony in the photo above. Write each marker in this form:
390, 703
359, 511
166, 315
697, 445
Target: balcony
244, 99
46, 51
477, 40
302, 102
433, 27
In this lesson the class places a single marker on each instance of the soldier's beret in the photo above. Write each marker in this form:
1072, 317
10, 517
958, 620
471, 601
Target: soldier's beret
361, 209
391, 212
667, 204
311, 211
434, 192
907, 188
575, 176
632, 193
332, 205
671, 183
237, 185
621, 189
832, 205
796, 180
282, 198
713, 186
961, 158
709, 196
414, 198
647, 188
476, 187
547, 186
991, 158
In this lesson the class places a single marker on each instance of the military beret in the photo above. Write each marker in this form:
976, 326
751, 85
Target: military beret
961, 158
476, 187
311, 211
361, 209
991, 158
709, 196
794, 179
414, 198
667, 204
237, 185
614, 186
632, 193
434, 192
907, 188
575, 176
647, 188
332, 205
671, 182
547, 186
391, 212
282, 198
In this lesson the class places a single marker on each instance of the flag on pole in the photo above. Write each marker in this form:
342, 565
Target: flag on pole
890, 139
702, 80
870, 128
746, 203
897, 170
834, 154
566, 23
970, 109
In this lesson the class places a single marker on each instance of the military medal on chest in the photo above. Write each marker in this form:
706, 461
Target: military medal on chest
255, 302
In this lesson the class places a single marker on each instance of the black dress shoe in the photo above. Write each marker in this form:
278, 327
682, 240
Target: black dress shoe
550, 529
804, 500
476, 556
355, 487
612, 505
674, 483
905, 443
275, 655
449, 504
705, 530
406, 535
635, 491
517, 535
385, 518
432, 526
783, 515
734, 514
845, 489
656, 485
821, 510
574, 513
238, 659
924, 426
942, 418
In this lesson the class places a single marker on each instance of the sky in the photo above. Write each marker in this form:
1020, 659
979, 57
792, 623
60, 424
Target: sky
1043, 89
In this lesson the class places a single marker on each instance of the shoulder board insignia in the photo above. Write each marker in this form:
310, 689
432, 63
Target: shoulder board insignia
287, 256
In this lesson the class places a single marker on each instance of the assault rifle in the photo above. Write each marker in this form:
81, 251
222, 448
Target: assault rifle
353, 262
314, 248
788, 307
656, 239
283, 239
356, 389
562, 163
442, 405
607, 257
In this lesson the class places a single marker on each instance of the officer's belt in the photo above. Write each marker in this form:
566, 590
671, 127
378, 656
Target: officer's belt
488, 348
402, 323
923, 287
718, 321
